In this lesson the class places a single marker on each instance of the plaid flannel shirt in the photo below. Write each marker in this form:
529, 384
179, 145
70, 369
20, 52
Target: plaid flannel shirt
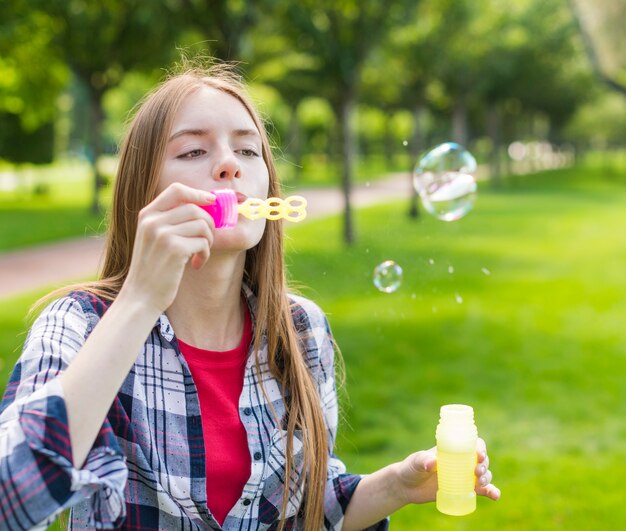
146, 469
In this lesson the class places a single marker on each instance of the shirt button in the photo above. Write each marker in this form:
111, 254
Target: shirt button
247, 412
257, 455
247, 502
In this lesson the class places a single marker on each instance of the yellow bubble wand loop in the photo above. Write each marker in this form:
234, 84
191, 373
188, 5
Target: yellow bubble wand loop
292, 208
225, 209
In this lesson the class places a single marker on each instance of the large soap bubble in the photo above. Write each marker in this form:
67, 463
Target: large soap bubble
444, 180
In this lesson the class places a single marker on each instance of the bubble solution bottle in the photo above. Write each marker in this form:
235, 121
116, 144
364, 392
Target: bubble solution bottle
456, 460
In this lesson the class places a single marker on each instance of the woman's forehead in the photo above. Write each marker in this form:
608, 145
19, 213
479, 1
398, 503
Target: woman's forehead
209, 105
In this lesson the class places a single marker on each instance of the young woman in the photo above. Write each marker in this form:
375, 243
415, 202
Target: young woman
186, 389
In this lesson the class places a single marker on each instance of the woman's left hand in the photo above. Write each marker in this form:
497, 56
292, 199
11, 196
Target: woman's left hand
418, 476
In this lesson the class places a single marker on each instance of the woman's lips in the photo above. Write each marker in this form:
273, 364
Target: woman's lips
241, 198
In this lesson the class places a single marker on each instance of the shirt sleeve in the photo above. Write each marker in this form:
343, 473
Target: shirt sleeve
340, 486
37, 477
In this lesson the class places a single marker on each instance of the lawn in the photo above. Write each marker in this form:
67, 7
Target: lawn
54, 205
516, 309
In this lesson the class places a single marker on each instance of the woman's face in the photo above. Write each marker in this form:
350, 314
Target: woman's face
215, 144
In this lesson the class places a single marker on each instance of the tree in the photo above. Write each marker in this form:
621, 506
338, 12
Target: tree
338, 36
225, 24
31, 78
100, 41
601, 24
401, 72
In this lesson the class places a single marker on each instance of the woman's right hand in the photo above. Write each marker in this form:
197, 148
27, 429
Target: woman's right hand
171, 231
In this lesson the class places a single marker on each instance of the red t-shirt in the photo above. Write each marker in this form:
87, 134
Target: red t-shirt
219, 379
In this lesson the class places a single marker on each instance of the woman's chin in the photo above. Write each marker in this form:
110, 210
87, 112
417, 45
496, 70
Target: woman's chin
240, 238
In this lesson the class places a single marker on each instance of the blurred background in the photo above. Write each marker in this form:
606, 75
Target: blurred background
517, 308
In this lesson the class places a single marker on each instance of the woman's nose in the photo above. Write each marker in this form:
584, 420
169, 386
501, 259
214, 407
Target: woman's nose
226, 168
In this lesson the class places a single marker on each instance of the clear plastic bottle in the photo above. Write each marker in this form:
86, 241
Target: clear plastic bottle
456, 460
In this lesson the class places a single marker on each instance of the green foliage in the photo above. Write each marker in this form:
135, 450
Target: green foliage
31, 73
19, 145
601, 122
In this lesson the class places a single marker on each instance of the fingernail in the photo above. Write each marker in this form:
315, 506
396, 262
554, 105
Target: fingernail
483, 480
481, 470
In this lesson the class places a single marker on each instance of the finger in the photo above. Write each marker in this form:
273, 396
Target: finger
482, 466
430, 463
424, 460
156, 225
196, 228
199, 259
183, 213
485, 479
490, 491
481, 449
197, 251
176, 194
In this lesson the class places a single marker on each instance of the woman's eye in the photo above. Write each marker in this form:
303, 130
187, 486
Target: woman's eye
191, 154
248, 153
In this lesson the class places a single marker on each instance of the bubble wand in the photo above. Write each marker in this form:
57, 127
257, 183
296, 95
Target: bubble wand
225, 210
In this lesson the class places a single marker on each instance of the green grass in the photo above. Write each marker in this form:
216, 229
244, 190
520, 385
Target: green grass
63, 211
13, 326
537, 344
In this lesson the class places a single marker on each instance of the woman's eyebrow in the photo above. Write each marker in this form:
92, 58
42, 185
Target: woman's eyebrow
246, 132
191, 132
205, 132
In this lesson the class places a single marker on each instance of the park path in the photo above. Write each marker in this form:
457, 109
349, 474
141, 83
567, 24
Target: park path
55, 264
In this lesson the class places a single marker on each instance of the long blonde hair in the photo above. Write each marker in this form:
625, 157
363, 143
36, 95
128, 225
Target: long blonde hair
141, 158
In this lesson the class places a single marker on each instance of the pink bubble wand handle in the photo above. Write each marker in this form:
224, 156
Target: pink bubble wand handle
226, 209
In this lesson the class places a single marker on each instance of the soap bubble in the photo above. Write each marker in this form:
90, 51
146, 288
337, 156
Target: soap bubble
443, 179
387, 276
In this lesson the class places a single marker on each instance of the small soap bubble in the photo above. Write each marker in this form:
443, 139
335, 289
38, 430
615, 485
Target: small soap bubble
367, 184
444, 180
387, 276
405, 143
413, 296
450, 269
431, 261
486, 271
458, 298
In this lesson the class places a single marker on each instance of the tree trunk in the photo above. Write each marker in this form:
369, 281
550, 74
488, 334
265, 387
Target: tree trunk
95, 145
295, 144
459, 123
389, 141
493, 130
417, 146
348, 150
